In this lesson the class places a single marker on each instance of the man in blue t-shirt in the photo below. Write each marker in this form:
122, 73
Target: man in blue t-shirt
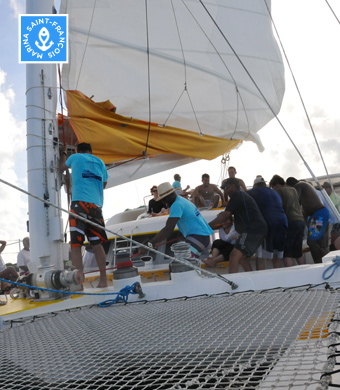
188, 219
89, 178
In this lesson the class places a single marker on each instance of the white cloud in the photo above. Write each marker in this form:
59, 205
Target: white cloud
13, 205
17, 6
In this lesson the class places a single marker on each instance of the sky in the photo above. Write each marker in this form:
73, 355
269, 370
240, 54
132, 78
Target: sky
310, 34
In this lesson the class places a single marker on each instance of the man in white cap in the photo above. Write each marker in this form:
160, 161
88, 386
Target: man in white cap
188, 219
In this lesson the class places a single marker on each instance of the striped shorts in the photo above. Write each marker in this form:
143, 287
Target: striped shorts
80, 228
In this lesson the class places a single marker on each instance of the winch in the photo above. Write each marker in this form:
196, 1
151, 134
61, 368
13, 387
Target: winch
48, 278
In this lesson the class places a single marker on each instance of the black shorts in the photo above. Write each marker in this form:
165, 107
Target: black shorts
294, 239
249, 241
80, 228
224, 247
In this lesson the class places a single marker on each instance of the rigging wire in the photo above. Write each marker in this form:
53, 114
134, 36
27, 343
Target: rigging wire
185, 75
332, 11
49, 203
238, 94
68, 177
45, 176
260, 92
299, 92
148, 71
86, 44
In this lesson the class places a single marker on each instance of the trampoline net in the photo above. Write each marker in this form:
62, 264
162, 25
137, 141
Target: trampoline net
273, 339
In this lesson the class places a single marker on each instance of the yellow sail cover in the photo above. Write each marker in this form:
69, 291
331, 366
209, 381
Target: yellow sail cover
115, 138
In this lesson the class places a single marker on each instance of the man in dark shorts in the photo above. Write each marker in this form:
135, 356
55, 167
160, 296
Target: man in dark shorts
317, 218
249, 223
270, 205
89, 178
296, 223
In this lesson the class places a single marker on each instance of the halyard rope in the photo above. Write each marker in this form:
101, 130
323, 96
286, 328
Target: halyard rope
201, 270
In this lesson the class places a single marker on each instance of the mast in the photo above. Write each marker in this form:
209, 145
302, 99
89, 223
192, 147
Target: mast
45, 223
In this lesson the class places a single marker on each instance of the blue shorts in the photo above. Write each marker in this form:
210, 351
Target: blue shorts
317, 224
197, 244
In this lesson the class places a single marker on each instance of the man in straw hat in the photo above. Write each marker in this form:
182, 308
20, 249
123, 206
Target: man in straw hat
188, 219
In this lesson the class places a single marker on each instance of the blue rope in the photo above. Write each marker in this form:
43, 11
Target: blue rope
333, 267
121, 292
122, 296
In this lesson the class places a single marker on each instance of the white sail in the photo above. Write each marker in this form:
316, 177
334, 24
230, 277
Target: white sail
174, 62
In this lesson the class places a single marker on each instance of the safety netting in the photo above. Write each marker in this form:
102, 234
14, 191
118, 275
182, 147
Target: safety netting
253, 340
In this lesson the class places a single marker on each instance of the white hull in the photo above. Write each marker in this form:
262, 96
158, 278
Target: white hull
189, 284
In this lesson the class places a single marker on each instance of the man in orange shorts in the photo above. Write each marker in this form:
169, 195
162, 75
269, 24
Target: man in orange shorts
89, 178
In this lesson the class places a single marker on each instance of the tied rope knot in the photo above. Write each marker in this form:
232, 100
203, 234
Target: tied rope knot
122, 296
331, 268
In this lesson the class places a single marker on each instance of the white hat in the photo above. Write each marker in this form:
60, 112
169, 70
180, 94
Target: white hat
164, 190
258, 180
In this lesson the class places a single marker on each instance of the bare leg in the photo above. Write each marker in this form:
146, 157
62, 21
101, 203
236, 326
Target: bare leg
9, 274
245, 264
212, 261
234, 259
197, 202
334, 236
301, 260
101, 261
316, 251
277, 263
215, 252
288, 261
78, 263
260, 264
76, 257
337, 243
215, 201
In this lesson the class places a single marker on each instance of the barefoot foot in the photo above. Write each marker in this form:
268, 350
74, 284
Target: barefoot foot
209, 262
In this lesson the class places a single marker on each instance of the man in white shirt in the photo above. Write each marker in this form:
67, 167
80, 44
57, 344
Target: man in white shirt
8, 273
24, 256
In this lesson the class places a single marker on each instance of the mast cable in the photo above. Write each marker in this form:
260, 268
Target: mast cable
185, 75
263, 97
226, 66
49, 203
180, 42
87, 41
148, 65
44, 152
67, 175
332, 11
301, 99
